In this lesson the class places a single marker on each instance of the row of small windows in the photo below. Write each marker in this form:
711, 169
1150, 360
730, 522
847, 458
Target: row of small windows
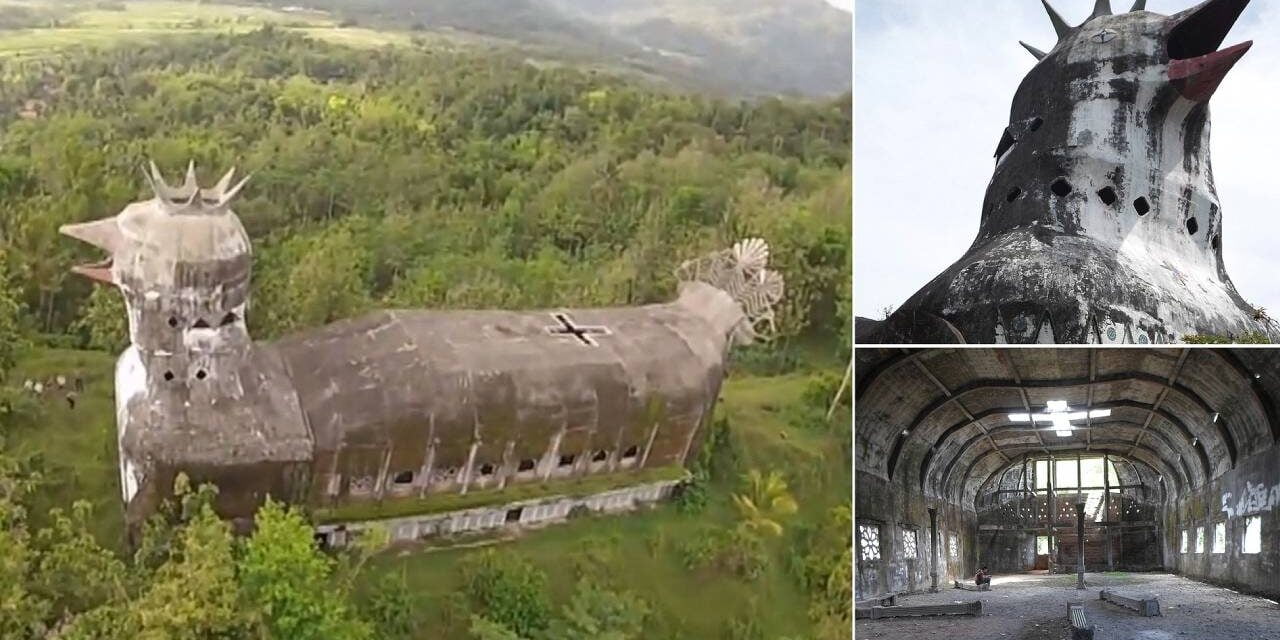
1062, 188
525, 465
201, 323
1251, 542
869, 542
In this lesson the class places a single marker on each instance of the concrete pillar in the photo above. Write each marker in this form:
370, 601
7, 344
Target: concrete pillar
1106, 493
933, 550
1079, 546
466, 471
1111, 561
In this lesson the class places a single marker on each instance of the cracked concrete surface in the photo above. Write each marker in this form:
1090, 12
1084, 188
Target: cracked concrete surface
1033, 606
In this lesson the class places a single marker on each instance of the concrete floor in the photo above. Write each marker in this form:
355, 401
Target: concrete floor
1032, 606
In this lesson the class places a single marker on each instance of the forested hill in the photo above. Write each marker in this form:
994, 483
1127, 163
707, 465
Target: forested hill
416, 178
740, 47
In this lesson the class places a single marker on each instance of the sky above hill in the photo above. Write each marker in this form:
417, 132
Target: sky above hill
934, 80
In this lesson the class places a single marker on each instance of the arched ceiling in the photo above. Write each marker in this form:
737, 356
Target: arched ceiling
938, 420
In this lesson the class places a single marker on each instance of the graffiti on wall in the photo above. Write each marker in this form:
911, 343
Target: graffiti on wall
1255, 498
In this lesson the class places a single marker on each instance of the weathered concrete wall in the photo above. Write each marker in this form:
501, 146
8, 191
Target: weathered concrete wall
1007, 551
1251, 489
542, 511
900, 510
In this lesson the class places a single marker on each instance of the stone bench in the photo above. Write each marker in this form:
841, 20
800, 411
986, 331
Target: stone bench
955, 609
1080, 627
1146, 605
887, 600
971, 587
862, 608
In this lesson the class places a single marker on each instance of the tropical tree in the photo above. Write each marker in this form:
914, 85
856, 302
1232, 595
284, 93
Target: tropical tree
766, 502
288, 580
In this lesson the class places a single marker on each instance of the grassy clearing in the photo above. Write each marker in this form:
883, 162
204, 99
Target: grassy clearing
145, 22
74, 448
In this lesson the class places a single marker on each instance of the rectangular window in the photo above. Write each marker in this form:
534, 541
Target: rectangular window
909, 543
1220, 537
1091, 472
1042, 545
1253, 534
1066, 474
1199, 539
1042, 474
955, 548
869, 541
1183, 547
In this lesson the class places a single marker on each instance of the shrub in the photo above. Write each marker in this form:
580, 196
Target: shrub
507, 590
743, 554
701, 550
692, 496
765, 359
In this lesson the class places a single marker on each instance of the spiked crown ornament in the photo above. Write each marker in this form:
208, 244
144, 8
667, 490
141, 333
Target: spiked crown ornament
190, 196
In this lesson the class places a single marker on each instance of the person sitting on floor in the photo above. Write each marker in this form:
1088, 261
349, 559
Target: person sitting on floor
983, 577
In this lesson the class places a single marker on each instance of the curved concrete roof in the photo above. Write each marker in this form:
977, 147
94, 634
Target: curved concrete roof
938, 420
499, 377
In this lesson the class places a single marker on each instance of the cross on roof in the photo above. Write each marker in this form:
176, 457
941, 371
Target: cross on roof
583, 333
1060, 416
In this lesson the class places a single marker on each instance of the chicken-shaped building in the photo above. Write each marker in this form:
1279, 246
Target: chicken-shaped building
1101, 223
378, 416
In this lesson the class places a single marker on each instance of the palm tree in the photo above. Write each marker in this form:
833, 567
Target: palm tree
766, 502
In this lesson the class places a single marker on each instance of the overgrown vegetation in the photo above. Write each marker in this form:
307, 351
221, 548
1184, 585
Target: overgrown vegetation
484, 183
1249, 337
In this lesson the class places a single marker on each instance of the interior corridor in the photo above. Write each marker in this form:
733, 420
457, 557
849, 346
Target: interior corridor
1157, 471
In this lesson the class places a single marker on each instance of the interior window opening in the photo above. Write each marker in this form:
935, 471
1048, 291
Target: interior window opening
869, 542
1252, 535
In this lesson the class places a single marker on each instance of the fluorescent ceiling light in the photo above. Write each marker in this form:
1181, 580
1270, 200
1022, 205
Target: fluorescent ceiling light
1057, 405
1099, 413
1020, 417
1063, 434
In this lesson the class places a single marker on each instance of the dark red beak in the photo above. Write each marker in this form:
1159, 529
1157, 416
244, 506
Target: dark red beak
1196, 67
1198, 78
